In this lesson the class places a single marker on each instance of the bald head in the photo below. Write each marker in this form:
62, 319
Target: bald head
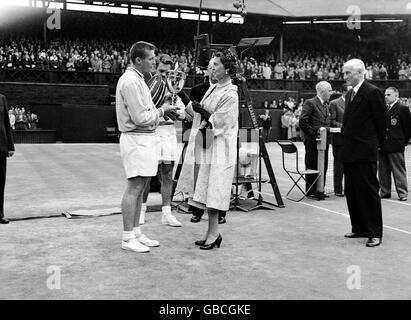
356, 64
324, 90
354, 71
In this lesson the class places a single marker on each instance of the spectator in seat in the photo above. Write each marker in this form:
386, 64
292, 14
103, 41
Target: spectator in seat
375, 72
273, 105
267, 71
301, 72
369, 73
54, 61
93, 61
86, 64
281, 104
2, 62
106, 64
26, 62
383, 73
326, 74
331, 75
278, 71
70, 65
12, 118
21, 120
32, 120
402, 74
116, 65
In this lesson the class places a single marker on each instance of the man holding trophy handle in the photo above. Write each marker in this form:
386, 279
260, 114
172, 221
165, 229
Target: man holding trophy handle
166, 135
137, 119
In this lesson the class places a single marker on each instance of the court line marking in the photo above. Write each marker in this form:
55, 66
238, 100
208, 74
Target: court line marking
398, 202
347, 216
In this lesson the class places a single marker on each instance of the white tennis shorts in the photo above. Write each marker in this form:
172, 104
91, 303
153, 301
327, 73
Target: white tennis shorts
139, 155
166, 143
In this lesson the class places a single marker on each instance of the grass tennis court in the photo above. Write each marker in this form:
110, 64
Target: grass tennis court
296, 252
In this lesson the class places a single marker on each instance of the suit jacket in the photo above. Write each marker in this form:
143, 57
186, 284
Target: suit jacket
337, 107
6, 137
398, 131
364, 124
314, 116
197, 93
266, 123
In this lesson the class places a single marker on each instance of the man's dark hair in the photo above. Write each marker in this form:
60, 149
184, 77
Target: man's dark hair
229, 60
139, 50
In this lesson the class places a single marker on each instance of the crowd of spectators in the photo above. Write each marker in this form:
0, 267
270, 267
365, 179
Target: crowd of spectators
90, 56
20, 119
305, 65
112, 56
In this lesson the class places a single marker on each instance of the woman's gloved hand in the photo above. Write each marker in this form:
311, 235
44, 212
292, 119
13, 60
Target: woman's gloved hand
197, 107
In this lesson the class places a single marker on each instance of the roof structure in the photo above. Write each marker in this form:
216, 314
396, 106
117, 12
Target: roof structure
295, 8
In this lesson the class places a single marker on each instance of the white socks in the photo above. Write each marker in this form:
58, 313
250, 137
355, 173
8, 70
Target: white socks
128, 235
137, 231
166, 210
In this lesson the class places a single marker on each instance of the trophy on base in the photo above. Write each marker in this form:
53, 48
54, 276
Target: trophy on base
175, 80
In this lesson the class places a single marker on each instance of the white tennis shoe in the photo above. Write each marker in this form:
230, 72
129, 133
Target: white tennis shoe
147, 242
134, 245
170, 220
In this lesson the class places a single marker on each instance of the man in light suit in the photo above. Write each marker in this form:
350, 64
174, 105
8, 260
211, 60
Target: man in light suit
337, 107
363, 132
391, 155
6, 150
314, 115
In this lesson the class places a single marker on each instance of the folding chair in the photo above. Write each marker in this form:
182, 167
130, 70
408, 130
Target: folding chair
290, 148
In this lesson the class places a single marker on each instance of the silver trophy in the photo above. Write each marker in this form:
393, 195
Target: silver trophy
175, 82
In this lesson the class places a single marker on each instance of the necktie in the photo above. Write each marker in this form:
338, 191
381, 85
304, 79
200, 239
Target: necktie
326, 105
352, 96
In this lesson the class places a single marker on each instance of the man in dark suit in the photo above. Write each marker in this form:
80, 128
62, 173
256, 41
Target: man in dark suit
314, 115
391, 155
337, 107
363, 132
6, 150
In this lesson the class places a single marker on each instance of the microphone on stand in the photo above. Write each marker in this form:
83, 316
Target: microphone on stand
240, 5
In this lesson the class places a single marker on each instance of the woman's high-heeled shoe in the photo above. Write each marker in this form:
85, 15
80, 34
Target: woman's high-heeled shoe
216, 243
200, 242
